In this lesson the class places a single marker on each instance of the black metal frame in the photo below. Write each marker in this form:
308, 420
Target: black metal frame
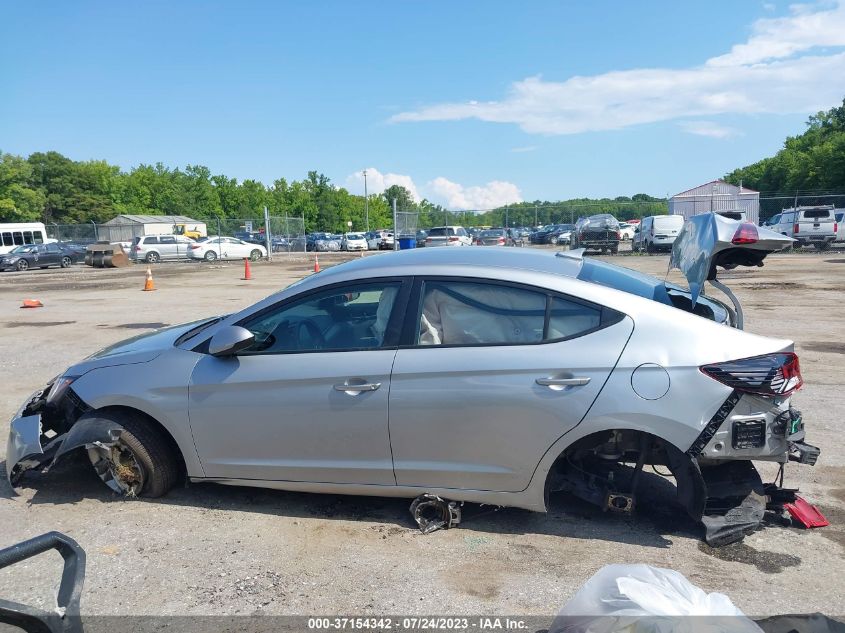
70, 589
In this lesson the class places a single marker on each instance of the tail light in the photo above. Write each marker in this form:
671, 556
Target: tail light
453, 239
501, 240
618, 235
136, 248
836, 227
428, 239
768, 375
479, 243
194, 247
795, 229
745, 234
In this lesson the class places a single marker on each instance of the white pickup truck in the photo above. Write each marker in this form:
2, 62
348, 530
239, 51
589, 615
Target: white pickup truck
815, 226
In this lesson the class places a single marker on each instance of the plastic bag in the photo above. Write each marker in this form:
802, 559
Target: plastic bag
641, 598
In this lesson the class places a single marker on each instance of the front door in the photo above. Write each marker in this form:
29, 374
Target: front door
308, 402
498, 373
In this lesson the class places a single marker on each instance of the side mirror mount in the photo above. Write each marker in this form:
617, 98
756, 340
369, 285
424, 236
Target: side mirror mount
230, 340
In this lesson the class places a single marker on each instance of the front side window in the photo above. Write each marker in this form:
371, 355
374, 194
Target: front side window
343, 318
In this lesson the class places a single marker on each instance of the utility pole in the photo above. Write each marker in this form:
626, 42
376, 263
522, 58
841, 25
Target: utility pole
395, 234
366, 204
535, 216
267, 239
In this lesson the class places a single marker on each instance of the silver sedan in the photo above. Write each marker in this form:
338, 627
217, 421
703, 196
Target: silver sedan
475, 375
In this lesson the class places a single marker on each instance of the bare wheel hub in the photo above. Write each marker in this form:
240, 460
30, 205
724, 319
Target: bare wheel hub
117, 466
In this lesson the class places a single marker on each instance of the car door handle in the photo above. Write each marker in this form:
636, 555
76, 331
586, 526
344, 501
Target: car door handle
563, 382
367, 386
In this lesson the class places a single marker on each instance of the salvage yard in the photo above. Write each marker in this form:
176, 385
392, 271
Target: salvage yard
212, 549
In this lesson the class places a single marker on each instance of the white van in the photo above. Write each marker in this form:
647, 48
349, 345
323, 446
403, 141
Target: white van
14, 234
657, 232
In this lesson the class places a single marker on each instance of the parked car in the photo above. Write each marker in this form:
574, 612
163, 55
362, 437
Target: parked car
657, 232
387, 241
561, 234
448, 236
492, 237
840, 230
323, 243
38, 256
816, 226
626, 231
353, 242
550, 372
597, 232
156, 248
215, 247
421, 235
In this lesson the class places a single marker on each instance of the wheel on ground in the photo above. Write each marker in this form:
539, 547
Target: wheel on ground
66, 262
152, 258
649, 248
210, 256
22, 265
614, 250
822, 246
255, 255
141, 463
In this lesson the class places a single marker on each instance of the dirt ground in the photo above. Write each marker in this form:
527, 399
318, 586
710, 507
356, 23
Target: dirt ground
211, 549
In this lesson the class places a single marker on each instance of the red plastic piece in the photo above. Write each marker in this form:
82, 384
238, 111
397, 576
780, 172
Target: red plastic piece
806, 513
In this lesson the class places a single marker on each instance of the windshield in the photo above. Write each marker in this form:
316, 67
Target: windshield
492, 233
26, 248
817, 213
354, 236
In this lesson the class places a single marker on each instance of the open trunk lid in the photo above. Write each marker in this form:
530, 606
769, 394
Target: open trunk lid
710, 240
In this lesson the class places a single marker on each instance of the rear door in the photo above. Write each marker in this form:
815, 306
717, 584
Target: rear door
492, 375
51, 253
168, 248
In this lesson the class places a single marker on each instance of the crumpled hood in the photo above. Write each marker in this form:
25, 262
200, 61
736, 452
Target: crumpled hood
138, 349
708, 241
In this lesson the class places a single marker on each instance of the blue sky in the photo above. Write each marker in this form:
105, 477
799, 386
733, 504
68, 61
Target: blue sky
472, 104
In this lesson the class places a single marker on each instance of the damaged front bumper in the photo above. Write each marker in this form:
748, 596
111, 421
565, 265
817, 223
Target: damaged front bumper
37, 441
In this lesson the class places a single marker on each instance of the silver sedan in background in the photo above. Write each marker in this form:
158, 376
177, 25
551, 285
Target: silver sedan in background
486, 375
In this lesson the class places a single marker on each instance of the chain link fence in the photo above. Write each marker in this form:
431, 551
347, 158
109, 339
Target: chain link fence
405, 228
283, 234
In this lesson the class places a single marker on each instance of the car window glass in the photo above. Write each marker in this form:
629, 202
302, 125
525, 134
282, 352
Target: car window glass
815, 214
568, 318
349, 317
466, 313
167, 239
151, 240
52, 248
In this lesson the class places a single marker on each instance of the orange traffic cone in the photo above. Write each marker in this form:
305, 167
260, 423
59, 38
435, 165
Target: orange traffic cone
148, 284
32, 303
316, 263
247, 272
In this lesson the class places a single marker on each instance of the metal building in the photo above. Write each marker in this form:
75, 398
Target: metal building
717, 196
126, 226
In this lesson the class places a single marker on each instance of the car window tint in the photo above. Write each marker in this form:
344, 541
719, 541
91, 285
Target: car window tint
816, 213
151, 240
466, 313
569, 318
344, 318
167, 239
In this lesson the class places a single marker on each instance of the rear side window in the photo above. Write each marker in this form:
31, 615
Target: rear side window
441, 232
167, 239
151, 240
816, 214
479, 313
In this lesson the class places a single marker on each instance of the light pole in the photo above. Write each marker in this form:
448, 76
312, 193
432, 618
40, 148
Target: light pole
366, 204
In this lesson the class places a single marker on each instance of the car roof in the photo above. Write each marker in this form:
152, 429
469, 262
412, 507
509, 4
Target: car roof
432, 261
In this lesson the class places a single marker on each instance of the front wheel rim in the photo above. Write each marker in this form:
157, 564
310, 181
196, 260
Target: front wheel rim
23, 265
118, 468
255, 256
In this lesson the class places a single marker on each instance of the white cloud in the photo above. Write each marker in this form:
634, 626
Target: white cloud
708, 128
495, 193
778, 38
763, 75
522, 150
377, 182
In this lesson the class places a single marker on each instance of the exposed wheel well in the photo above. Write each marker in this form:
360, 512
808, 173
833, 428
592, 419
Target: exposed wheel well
155, 424
597, 467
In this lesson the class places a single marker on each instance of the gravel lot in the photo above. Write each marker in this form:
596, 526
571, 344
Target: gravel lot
209, 549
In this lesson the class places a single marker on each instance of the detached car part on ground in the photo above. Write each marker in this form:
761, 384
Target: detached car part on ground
515, 373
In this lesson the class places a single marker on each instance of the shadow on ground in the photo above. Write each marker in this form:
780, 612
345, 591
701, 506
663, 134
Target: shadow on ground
656, 520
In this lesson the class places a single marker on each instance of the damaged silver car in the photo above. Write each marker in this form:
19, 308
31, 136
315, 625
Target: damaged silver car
493, 376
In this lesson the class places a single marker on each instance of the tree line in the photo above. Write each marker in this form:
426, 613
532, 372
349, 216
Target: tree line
811, 166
